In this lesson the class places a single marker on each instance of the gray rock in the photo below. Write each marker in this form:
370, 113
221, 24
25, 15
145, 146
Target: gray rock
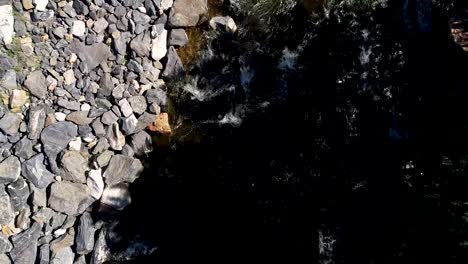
10, 123
120, 44
80, 260
98, 128
78, 28
43, 215
7, 23
103, 159
79, 117
138, 104
62, 242
141, 143
108, 118
35, 171
115, 137
134, 66
24, 148
102, 145
6, 211
68, 104
164, 4
64, 256
141, 44
56, 138
5, 245
41, 5
140, 18
117, 196
187, 13
125, 108
159, 43
129, 124
10, 170
4, 259
122, 169
23, 220
154, 108
101, 250
36, 84
100, 25
85, 237
90, 56
8, 80
25, 245
19, 193
106, 86
157, 96
80, 7
69, 10
44, 254
70, 198
144, 120
177, 37
174, 67
36, 119
95, 183
39, 197
74, 166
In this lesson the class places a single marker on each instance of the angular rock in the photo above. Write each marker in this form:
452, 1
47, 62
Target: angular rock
18, 98
19, 193
141, 44
95, 183
23, 220
125, 108
8, 80
100, 25
64, 241
157, 96
80, 7
141, 143
144, 120
6, 211
78, 29
70, 198
44, 254
109, 117
129, 124
85, 237
56, 138
117, 196
161, 124
43, 215
41, 5
79, 117
69, 77
35, 171
36, 119
25, 245
80, 260
39, 197
74, 166
24, 148
115, 137
174, 67
103, 159
5, 245
164, 4
90, 56
138, 104
6, 23
187, 13
177, 37
27, 4
10, 170
36, 84
224, 24
64, 256
9, 123
159, 43
122, 169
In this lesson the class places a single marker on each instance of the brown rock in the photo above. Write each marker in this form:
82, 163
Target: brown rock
161, 124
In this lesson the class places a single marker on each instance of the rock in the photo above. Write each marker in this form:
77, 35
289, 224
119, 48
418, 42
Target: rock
44, 254
138, 104
120, 44
103, 159
27, 4
25, 245
36, 120
159, 43
85, 237
43, 215
7, 23
36, 84
141, 44
74, 166
75, 144
90, 56
5, 245
80, 260
125, 108
95, 183
78, 29
115, 137
134, 66
35, 171
69, 77
80, 7
224, 24
70, 198
9, 123
109, 117
161, 124
174, 67
24, 148
101, 250
64, 241
165, 4
154, 109
157, 96
6, 211
122, 169
41, 5
8, 81
144, 120
80, 118
177, 37
39, 197
23, 220
187, 13
10, 170
100, 25
19, 193
59, 116
141, 143
56, 138
98, 128
117, 196
64, 256
129, 124
18, 98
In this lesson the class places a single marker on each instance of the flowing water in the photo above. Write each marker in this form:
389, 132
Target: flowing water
331, 131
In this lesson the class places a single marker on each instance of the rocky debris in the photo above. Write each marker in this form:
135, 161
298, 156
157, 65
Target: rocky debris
122, 169
19, 193
174, 67
18, 98
187, 13
69, 198
141, 143
159, 43
36, 120
10, 169
35, 171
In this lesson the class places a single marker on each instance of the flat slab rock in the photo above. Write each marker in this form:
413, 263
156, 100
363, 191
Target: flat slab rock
70, 198
122, 169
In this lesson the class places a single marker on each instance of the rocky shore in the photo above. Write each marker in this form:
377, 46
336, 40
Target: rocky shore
82, 90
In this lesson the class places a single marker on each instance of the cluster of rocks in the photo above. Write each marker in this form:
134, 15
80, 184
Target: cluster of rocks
81, 87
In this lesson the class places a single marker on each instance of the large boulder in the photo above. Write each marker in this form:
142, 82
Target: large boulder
187, 13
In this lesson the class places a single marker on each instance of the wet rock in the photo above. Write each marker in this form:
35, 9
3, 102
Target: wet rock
10, 170
7, 23
9, 123
35, 171
85, 237
224, 24
74, 166
6, 211
177, 37
5, 245
19, 193
25, 245
79, 118
187, 13
115, 137
95, 183
161, 124
122, 169
36, 119
36, 84
70, 198
56, 138
117, 196
141, 143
